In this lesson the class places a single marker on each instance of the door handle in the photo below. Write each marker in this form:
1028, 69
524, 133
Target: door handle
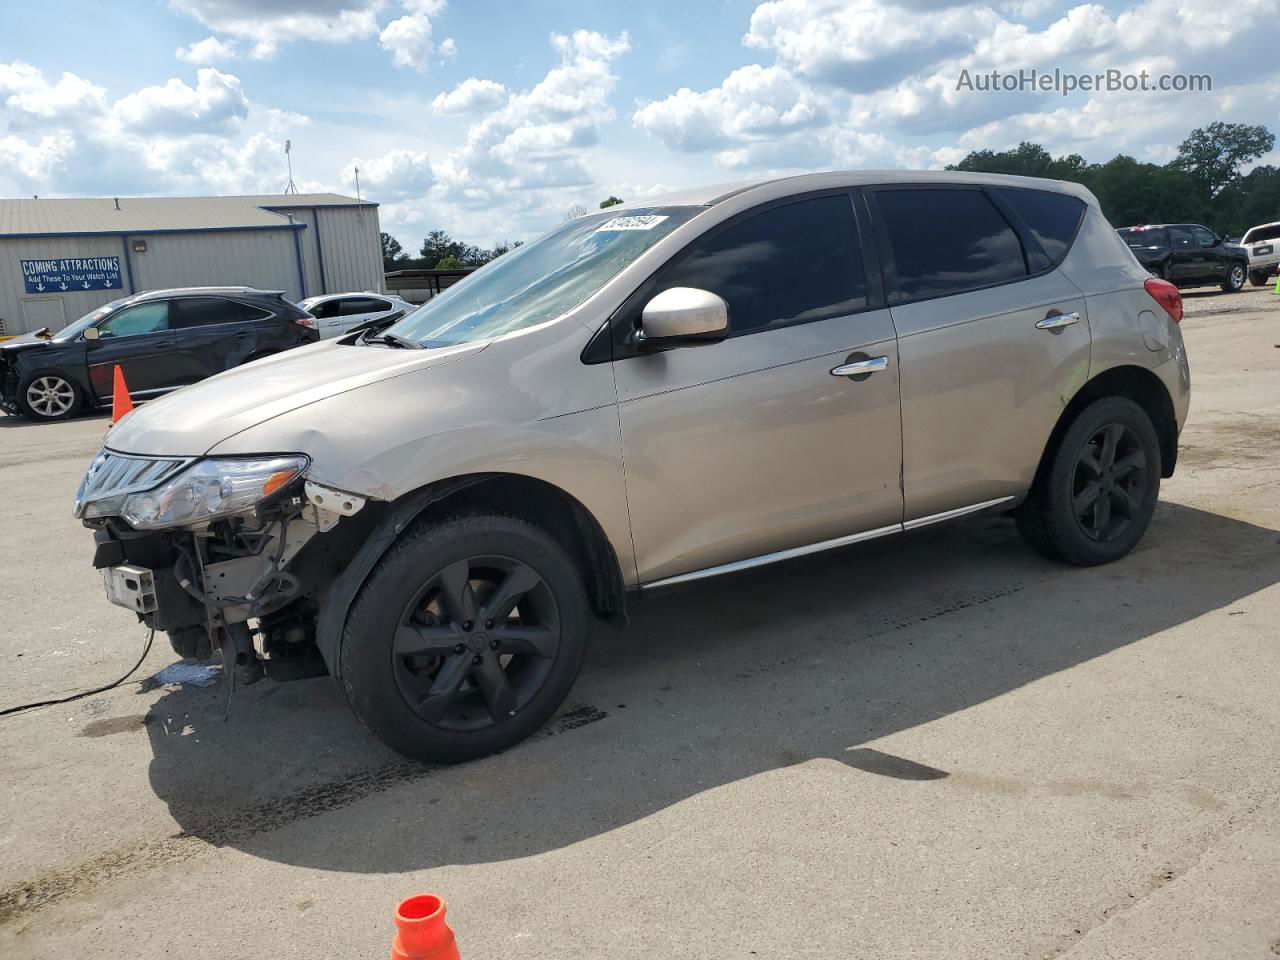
860, 366
1056, 320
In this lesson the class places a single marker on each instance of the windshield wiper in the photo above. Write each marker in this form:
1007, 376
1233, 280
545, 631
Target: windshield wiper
393, 340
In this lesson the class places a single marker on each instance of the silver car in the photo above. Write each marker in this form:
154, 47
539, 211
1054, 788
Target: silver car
339, 313
652, 395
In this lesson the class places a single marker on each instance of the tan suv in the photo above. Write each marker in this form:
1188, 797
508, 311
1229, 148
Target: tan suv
720, 379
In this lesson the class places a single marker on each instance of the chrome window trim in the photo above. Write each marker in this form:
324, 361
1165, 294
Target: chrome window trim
737, 566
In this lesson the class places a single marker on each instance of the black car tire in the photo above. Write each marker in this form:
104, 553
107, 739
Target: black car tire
49, 395
1160, 270
390, 692
1257, 278
1234, 282
1052, 519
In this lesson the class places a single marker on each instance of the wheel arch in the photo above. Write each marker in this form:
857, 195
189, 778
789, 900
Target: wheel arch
1137, 384
535, 501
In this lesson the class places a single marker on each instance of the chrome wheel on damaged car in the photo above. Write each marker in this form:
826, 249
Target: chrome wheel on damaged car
465, 639
1235, 279
47, 396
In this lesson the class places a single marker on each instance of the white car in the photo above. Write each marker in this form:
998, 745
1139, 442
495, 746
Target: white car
1263, 244
336, 313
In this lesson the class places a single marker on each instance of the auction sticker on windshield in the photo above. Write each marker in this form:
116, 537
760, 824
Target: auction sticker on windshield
647, 222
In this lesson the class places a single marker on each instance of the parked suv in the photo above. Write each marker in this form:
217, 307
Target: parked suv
644, 397
1188, 255
339, 313
1263, 244
161, 340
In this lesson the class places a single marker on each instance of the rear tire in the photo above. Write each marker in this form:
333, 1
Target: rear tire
1257, 278
1098, 491
465, 639
1235, 279
49, 395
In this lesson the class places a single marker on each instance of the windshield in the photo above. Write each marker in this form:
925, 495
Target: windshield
73, 330
540, 280
1270, 231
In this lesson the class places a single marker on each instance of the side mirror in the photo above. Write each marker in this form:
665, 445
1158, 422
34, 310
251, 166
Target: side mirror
91, 334
682, 316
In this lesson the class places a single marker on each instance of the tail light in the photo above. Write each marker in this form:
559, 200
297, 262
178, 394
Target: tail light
307, 321
1166, 294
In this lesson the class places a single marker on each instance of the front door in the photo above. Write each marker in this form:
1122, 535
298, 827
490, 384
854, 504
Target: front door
139, 340
750, 446
994, 340
1188, 262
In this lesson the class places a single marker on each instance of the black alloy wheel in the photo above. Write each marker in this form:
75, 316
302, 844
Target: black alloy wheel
1110, 483
466, 637
476, 643
1096, 492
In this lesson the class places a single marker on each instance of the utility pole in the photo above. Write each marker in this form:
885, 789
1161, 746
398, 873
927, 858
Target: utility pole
291, 187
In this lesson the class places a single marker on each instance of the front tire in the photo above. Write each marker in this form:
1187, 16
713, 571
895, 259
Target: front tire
1098, 491
1235, 279
49, 395
465, 639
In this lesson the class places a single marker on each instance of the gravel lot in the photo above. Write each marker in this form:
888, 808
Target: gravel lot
938, 745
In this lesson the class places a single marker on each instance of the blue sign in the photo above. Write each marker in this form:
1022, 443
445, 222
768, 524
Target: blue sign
71, 274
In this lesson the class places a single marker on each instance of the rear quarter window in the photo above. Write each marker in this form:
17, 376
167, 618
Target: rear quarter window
1052, 218
1259, 234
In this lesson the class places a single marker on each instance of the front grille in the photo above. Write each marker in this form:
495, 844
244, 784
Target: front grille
114, 474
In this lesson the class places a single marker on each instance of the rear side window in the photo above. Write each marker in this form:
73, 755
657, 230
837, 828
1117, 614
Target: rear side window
789, 264
206, 311
1052, 218
1258, 234
356, 305
948, 241
1144, 237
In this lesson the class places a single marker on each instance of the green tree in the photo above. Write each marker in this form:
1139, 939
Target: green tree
1249, 201
393, 255
1024, 160
1134, 193
610, 201
1213, 155
450, 263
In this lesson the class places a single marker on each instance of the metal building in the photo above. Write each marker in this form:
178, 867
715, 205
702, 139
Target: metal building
59, 259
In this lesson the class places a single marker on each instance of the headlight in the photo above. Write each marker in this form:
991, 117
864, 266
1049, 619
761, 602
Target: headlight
210, 488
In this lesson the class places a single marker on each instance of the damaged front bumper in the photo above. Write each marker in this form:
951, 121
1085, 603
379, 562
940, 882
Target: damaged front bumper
250, 585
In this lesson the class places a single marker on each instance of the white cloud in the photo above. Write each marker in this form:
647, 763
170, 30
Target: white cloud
206, 51
215, 102
396, 175
30, 100
469, 96
36, 161
409, 37
267, 24
753, 103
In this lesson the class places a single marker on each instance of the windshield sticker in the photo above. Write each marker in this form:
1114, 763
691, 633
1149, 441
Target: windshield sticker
631, 223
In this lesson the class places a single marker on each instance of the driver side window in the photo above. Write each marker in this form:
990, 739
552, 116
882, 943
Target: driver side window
134, 321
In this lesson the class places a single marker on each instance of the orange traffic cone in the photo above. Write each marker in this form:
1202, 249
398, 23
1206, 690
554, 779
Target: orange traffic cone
422, 933
121, 402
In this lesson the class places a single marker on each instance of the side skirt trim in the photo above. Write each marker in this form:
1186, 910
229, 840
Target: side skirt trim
821, 546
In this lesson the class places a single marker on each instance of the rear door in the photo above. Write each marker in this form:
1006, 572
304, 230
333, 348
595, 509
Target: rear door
993, 340
750, 446
356, 310
212, 334
139, 340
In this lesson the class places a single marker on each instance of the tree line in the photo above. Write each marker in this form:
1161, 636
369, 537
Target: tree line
439, 251
1202, 184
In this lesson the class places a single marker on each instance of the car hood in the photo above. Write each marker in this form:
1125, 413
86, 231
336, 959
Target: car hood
26, 341
190, 421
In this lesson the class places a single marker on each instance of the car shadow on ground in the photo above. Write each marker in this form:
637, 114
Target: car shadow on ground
741, 676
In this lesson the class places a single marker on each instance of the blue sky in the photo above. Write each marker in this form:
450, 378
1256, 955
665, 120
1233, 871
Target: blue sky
490, 120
